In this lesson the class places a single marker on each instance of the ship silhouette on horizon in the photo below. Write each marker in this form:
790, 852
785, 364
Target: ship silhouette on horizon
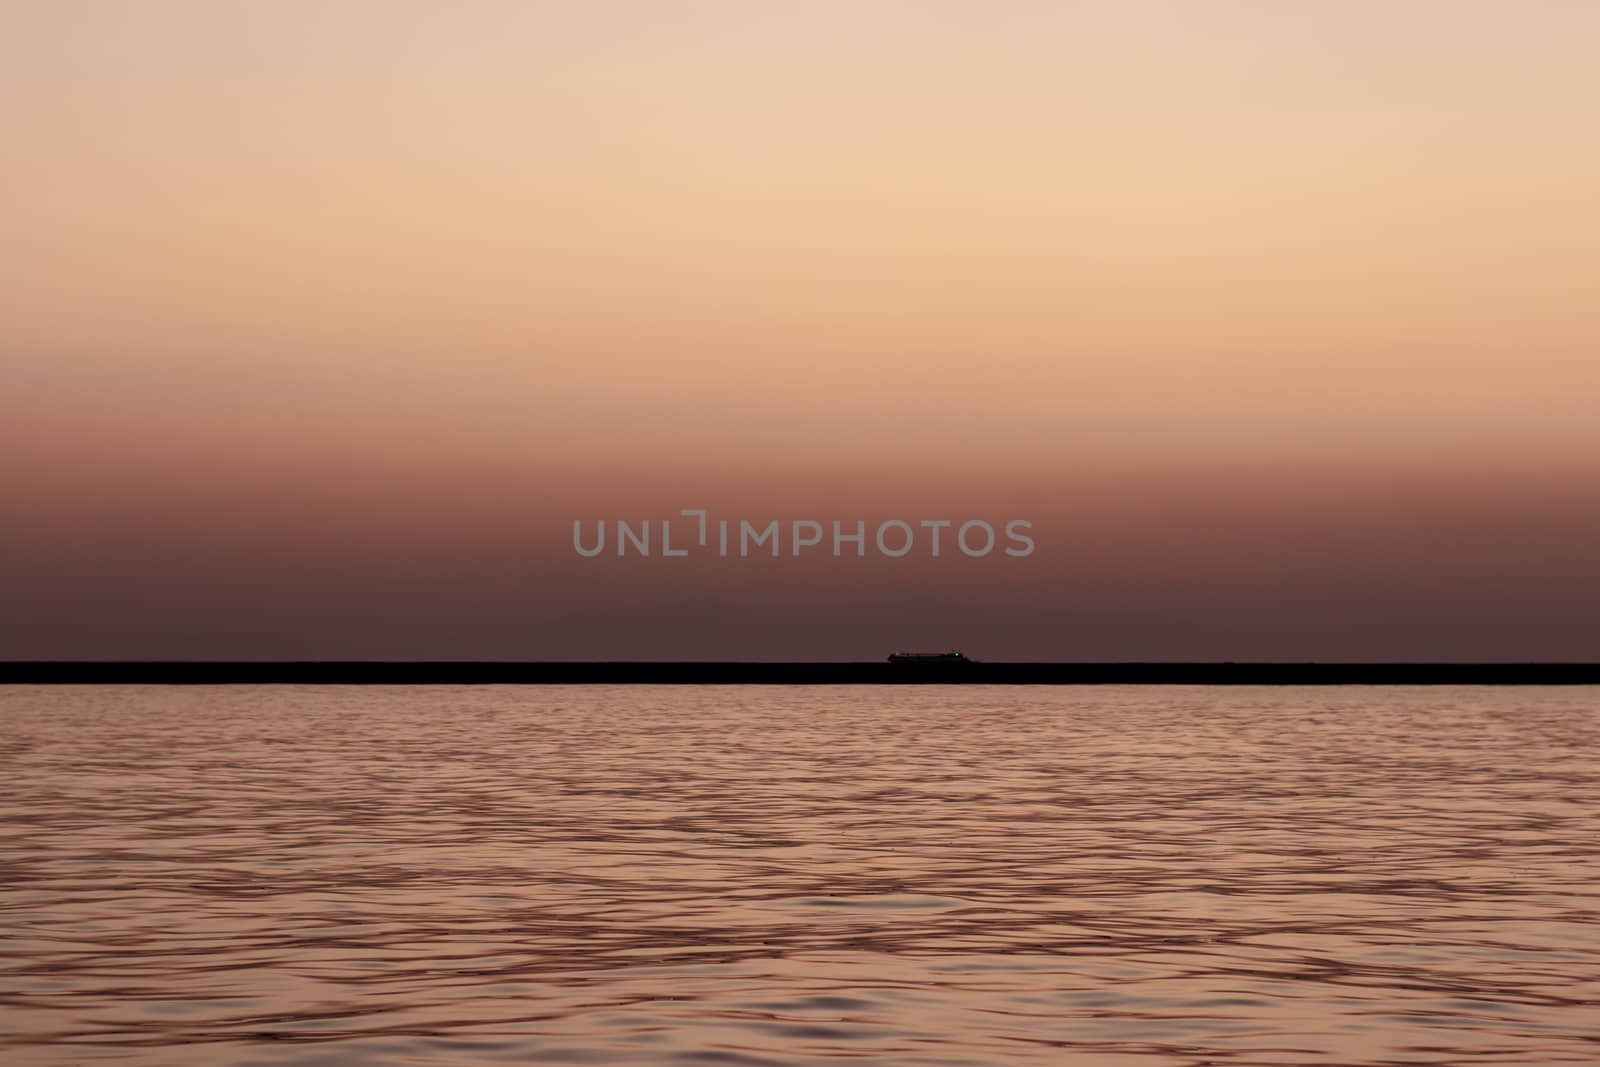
929, 658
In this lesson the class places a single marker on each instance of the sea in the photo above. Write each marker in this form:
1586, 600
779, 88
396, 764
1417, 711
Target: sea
755, 876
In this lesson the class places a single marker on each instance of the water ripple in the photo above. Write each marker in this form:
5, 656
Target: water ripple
300, 876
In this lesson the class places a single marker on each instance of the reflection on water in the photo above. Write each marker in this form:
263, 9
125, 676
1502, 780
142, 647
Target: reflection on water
745, 876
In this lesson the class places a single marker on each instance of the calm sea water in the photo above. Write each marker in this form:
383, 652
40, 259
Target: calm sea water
732, 876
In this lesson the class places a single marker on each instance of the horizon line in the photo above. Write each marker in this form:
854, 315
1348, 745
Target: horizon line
778, 672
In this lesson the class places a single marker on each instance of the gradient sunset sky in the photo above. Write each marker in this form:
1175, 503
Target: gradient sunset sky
321, 320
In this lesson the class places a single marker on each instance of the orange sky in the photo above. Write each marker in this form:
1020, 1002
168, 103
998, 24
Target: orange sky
299, 286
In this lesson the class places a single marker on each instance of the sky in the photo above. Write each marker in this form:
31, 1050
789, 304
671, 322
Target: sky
322, 320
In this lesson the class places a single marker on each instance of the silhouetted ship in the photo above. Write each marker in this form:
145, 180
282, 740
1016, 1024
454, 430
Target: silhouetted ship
923, 659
